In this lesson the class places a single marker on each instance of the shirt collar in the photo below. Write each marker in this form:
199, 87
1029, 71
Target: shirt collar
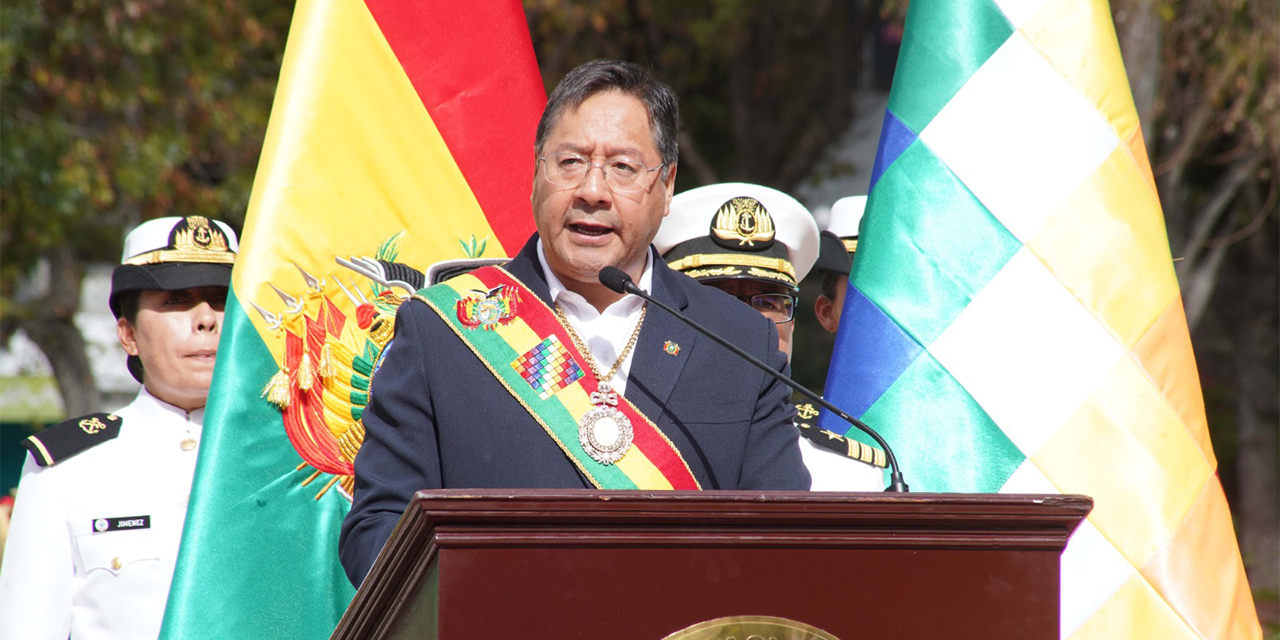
154, 409
559, 293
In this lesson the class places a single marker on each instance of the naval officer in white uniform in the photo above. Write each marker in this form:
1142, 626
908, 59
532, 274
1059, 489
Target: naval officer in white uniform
95, 531
756, 244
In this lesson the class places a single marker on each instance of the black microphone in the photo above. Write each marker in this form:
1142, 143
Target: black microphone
618, 281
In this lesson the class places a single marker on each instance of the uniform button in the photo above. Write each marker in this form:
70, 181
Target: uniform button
116, 564
188, 444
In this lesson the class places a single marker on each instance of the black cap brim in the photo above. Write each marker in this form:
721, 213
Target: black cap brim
169, 276
720, 270
832, 256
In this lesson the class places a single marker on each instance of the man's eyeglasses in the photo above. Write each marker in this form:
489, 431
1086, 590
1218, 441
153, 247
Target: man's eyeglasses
778, 307
622, 174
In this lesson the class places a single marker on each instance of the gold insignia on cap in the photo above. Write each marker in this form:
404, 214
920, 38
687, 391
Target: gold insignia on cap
193, 239
721, 272
850, 244
762, 273
200, 235
745, 220
736, 259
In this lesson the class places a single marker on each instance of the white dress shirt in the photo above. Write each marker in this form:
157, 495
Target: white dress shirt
62, 575
605, 334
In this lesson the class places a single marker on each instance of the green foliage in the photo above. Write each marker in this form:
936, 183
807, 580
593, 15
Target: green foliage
763, 86
114, 112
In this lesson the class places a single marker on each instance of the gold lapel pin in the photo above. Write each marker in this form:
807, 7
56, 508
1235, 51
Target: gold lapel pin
671, 348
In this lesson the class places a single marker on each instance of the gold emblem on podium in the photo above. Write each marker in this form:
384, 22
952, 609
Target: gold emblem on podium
751, 627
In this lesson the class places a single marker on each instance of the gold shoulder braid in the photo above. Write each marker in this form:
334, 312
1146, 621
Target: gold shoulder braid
834, 442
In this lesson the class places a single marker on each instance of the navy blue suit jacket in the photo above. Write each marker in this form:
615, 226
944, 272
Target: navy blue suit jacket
437, 418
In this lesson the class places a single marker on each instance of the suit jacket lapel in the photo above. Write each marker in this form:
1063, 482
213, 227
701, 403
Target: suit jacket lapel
528, 270
654, 370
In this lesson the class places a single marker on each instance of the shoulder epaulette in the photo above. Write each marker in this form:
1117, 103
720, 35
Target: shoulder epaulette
835, 442
64, 440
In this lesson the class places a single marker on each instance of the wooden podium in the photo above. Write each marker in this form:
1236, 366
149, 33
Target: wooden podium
632, 565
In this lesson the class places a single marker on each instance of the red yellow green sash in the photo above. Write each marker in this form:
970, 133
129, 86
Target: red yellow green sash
522, 343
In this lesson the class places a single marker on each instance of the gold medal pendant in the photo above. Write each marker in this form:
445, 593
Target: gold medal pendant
604, 431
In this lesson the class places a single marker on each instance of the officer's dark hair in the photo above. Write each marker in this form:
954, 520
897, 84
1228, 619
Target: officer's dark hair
829, 281
598, 76
129, 301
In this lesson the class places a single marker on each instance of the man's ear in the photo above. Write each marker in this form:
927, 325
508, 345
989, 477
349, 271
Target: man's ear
125, 333
670, 187
825, 309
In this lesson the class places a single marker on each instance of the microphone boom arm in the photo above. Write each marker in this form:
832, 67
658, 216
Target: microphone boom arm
896, 483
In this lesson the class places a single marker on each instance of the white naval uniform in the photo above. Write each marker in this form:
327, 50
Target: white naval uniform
833, 472
62, 577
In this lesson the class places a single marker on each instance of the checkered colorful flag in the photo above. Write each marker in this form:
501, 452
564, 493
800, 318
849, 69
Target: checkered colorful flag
1014, 323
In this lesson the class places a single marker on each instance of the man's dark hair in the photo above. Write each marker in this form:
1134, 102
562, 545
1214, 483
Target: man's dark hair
129, 305
598, 76
829, 281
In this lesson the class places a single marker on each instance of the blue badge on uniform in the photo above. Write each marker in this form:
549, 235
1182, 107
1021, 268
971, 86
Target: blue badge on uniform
125, 523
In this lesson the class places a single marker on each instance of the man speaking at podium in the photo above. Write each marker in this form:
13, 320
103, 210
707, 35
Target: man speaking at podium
535, 375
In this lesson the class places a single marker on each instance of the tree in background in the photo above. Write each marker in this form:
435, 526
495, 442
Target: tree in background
764, 87
1206, 75
114, 113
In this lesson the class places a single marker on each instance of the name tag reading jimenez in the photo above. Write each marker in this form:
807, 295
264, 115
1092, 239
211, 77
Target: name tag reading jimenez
121, 523
751, 628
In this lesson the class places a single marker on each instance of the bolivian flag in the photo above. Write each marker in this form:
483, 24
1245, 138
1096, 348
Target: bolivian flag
401, 131
1014, 323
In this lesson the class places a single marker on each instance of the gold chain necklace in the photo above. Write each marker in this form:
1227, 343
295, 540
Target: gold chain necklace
586, 353
604, 432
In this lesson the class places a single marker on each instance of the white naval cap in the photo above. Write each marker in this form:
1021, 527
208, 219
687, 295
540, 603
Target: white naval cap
148, 241
739, 230
846, 215
170, 254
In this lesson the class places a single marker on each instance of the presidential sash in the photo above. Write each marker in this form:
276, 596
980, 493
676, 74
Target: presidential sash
522, 343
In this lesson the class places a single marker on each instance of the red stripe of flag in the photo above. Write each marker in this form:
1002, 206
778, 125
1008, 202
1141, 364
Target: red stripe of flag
483, 99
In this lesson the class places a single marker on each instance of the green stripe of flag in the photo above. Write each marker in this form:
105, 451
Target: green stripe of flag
229, 512
947, 443
945, 48
930, 235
